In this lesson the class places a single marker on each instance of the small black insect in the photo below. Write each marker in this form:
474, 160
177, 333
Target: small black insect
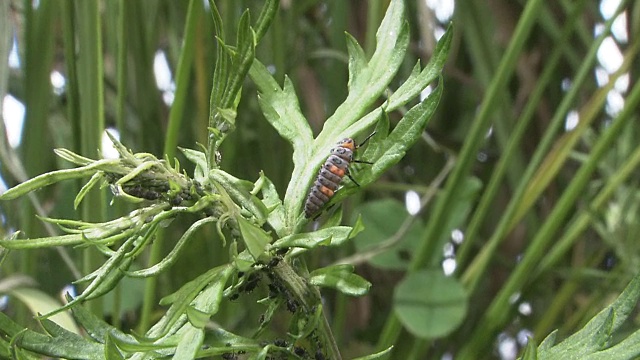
274, 261
229, 356
280, 343
292, 305
299, 351
252, 282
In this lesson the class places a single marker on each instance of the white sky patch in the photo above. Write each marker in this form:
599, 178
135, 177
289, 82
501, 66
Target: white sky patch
489, 132
164, 78
570, 123
412, 202
108, 150
507, 347
13, 113
58, 82
608, 8
565, 85
609, 55
602, 78
457, 236
438, 32
68, 289
447, 356
525, 308
622, 83
3, 188
619, 28
424, 93
449, 266
615, 103
598, 29
14, 58
443, 9
514, 298
523, 337
448, 250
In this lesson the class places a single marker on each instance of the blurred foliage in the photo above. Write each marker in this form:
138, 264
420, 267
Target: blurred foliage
552, 225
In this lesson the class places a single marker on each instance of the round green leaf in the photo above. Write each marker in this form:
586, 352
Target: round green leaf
430, 304
381, 220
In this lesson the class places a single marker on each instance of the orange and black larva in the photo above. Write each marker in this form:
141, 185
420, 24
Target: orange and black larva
330, 175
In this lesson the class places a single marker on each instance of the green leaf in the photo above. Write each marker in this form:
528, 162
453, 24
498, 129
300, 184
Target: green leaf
88, 186
111, 351
223, 63
98, 329
273, 203
72, 157
382, 219
241, 61
254, 237
8, 326
334, 236
367, 83
596, 334
406, 133
240, 193
429, 304
379, 355
267, 14
357, 58
389, 151
419, 80
190, 342
530, 351
53, 177
549, 341
281, 109
629, 348
181, 299
208, 301
64, 345
172, 257
105, 279
341, 278
197, 318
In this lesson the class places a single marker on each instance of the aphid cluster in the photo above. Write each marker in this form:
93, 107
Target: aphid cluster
330, 175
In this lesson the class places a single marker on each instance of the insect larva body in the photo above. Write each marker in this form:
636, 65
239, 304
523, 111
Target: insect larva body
330, 175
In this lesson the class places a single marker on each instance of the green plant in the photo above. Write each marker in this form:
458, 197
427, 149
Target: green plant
265, 236
535, 213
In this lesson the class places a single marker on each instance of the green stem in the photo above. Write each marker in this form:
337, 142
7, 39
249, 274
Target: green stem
427, 252
183, 71
498, 312
90, 80
309, 297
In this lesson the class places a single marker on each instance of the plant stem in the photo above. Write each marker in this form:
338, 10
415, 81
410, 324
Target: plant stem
309, 297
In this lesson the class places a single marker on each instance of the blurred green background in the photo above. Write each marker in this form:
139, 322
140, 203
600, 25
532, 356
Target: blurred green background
532, 153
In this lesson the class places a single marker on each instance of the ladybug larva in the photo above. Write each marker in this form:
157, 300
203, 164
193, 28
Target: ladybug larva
331, 173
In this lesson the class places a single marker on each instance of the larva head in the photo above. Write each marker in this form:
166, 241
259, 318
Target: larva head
347, 143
